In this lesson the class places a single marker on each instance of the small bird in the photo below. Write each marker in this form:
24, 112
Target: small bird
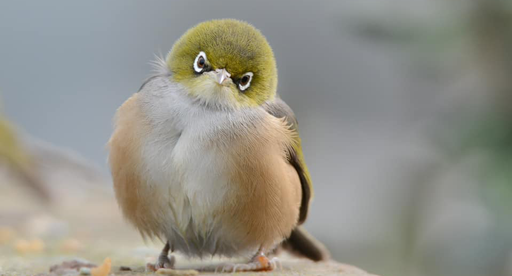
208, 158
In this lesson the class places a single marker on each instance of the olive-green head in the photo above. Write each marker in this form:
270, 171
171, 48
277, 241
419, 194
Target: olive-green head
225, 62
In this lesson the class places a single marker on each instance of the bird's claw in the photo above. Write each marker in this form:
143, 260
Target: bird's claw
260, 263
165, 262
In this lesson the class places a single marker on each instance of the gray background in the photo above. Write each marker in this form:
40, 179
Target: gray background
65, 66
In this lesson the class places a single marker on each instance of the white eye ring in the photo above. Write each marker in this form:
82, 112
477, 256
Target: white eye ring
196, 66
244, 87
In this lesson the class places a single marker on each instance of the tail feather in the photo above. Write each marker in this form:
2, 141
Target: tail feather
303, 244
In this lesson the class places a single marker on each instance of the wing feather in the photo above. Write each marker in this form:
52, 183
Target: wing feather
279, 109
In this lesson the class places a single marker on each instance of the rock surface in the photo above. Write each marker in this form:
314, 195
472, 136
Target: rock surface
290, 266
84, 227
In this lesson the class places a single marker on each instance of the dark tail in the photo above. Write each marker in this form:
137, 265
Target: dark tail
303, 244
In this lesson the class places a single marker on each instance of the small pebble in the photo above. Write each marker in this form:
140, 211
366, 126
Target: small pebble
85, 271
74, 265
103, 269
124, 268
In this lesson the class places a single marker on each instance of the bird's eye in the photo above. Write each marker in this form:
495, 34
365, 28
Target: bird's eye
200, 62
245, 81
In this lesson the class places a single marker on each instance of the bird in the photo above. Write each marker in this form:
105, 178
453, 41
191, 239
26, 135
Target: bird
207, 157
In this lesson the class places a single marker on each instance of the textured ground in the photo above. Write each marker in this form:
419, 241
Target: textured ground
83, 223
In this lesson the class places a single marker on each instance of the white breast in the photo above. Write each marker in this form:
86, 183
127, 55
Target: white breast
185, 165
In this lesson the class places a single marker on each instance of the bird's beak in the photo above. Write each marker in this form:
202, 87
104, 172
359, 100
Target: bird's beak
221, 75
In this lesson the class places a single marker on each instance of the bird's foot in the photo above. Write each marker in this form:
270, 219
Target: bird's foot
258, 263
163, 262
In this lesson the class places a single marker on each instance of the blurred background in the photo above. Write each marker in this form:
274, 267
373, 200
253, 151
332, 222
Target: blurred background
405, 111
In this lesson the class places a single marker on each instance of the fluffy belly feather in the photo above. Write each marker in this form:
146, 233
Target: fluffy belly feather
193, 188
219, 185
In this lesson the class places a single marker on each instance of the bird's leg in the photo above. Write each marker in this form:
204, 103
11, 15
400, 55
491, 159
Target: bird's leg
259, 262
266, 263
163, 259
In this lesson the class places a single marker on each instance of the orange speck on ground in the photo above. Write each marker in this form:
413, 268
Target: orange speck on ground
103, 269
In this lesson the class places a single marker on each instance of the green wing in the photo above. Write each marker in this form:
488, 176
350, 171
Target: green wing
278, 108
